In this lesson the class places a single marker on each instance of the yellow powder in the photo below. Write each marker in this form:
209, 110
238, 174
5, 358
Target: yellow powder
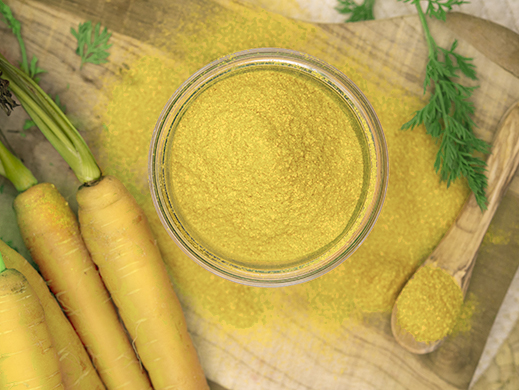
290, 8
466, 316
417, 211
496, 236
430, 304
269, 166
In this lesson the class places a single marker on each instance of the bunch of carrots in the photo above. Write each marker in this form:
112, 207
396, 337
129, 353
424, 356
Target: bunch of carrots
113, 319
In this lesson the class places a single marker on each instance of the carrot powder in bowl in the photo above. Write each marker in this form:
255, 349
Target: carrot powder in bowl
268, 167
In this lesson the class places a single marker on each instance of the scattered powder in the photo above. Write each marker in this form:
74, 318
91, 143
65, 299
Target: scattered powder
496, 236
467, 312
290, 8
417, 212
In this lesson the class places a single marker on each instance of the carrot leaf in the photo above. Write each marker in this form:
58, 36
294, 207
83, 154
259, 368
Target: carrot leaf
358, 12
31, 68
92, 44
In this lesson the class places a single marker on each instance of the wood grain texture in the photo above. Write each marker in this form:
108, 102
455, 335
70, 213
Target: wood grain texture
500, 46
503, 371
392, 53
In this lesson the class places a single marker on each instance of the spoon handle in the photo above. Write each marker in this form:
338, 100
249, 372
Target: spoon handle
458, 249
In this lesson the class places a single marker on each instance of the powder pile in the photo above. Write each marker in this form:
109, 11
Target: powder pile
430, 304
268, 166
417, 211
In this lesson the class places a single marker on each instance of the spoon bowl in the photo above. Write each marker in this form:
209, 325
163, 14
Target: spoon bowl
407, 340
457, 251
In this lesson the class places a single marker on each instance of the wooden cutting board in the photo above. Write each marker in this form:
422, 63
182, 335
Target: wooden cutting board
391, 54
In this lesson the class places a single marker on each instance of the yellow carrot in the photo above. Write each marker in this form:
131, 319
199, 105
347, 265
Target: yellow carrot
28, 359
76, 368
119, 239
118, 236
51, 233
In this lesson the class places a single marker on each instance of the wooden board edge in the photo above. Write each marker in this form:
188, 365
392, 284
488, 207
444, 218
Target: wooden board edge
496, 42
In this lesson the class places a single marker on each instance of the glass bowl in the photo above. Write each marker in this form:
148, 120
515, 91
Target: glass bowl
214, 234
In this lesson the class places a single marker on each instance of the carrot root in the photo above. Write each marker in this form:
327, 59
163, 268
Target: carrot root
51, 233
27, 357
118, 236
76, 368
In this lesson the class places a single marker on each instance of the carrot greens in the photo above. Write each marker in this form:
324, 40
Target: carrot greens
357, 12
439, 8
45, 113
52, 122
448, 114
14, 170
92, 44
30, 123
31, 68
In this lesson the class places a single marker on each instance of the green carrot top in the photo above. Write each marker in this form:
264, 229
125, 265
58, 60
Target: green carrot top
52, 122
13, 169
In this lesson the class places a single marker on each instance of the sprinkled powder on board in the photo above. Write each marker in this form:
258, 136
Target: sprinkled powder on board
133, 108
269, 166
467, 312
496, 236
290, 8
430, 304
417, 211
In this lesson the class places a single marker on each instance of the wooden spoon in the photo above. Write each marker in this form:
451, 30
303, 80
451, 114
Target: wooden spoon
457, 251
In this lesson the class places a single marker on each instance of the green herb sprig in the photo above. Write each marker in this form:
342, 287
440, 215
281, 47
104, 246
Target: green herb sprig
439, 8
357, 12
31, 68
447, 115
46, 113
92, 47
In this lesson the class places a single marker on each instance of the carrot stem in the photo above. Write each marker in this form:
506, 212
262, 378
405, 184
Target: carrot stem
14, 170
52, 122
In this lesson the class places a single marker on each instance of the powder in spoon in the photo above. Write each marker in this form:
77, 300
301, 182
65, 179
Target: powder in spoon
429, 304
269, 165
